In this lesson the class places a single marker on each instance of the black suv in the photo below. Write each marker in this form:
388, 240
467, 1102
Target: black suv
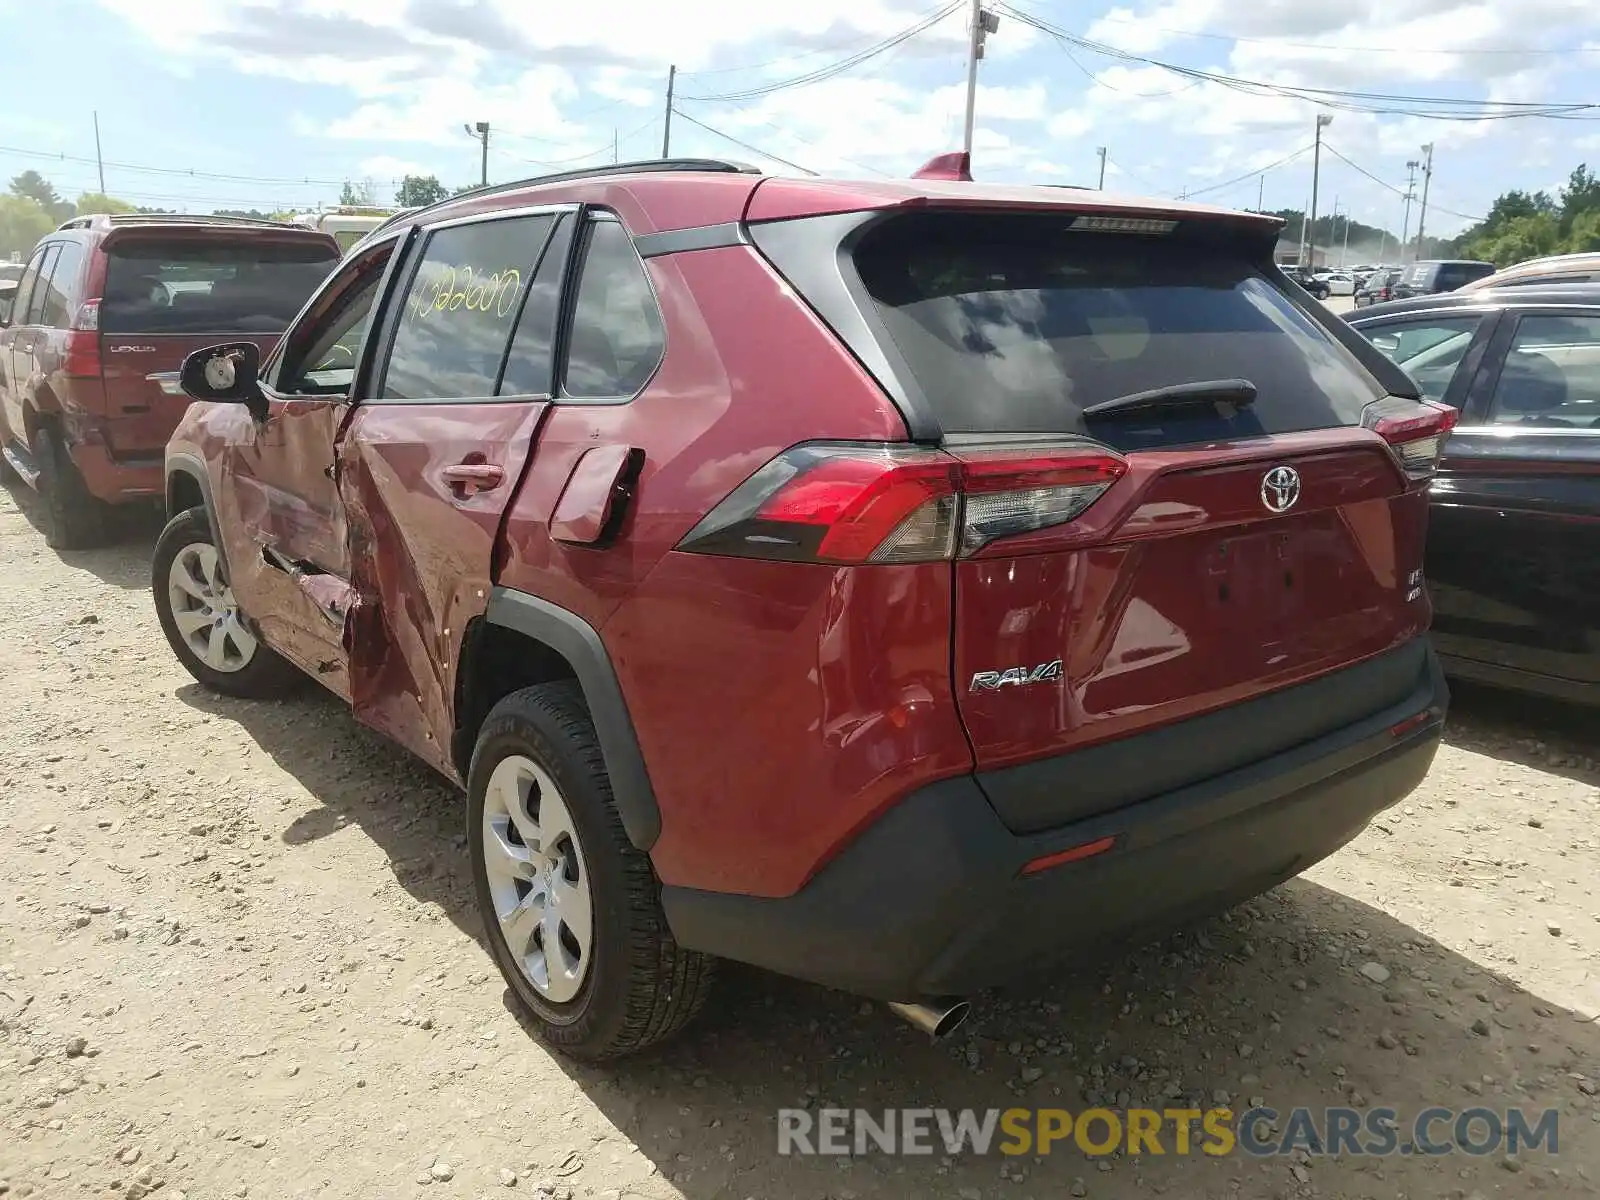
1433, 275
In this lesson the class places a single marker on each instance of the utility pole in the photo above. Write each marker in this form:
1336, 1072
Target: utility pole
1427, 177
983, 24
1102, 153
614, 157
1261, 193
480, 133
666, 132
99, 162
1323, 120
1345, 253
1411, 192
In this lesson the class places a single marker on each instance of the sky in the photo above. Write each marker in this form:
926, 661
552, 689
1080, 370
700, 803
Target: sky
272, 103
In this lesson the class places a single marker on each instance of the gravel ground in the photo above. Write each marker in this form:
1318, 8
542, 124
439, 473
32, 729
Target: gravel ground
238, 957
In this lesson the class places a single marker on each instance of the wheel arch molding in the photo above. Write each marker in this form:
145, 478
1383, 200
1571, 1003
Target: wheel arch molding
578, 642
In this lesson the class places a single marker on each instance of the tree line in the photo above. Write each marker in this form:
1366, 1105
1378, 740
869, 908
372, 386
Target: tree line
31, 207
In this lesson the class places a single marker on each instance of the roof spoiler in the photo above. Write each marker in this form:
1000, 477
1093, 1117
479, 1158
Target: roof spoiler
955, 167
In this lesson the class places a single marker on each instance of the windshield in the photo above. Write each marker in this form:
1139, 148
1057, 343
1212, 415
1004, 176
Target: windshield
205, 286
1017, 324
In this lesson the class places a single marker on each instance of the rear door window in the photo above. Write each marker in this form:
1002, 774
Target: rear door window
209, 285
1429, 349
1017, 324
1551, 375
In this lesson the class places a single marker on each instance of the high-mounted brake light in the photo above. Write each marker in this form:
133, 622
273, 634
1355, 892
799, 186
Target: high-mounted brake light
1415, 430
82, 357
1093, 223
851, 503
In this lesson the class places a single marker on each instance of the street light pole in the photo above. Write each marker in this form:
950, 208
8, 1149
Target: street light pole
480, 132
1323, 120
983, 24
1427, 177
1411, 192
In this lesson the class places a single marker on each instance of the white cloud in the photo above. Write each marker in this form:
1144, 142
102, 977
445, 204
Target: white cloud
390, 82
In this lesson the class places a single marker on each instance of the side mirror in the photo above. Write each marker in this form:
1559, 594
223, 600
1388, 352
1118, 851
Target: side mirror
229, 372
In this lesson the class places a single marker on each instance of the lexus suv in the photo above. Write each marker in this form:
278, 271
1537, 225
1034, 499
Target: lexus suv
899, 585
105, 304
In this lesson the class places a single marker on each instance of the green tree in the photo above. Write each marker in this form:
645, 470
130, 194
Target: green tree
99, 202
417, 190
23, 221
1581, 195
31, 185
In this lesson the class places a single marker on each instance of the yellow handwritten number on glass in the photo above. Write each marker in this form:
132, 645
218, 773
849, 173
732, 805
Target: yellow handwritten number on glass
466, 288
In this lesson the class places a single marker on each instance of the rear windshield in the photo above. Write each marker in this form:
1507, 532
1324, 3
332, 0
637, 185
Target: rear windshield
209, 287
1016, 324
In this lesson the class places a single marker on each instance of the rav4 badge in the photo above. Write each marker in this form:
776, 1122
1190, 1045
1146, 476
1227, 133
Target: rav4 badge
993, 681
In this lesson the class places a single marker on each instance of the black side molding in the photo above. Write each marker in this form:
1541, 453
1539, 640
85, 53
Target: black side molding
700, 237
577, 641
191, 466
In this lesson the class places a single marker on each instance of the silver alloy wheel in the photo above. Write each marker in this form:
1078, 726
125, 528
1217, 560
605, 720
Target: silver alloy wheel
538, 880
205, 612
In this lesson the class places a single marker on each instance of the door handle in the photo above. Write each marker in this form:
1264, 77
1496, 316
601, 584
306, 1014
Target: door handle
466, 478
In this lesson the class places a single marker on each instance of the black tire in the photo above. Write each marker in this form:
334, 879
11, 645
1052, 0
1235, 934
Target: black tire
73, 519
641, 987
266, 675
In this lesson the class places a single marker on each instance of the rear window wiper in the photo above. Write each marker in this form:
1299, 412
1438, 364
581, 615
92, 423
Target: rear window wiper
1240, 393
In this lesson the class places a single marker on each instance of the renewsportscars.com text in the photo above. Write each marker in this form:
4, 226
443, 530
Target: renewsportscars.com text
1260, 1132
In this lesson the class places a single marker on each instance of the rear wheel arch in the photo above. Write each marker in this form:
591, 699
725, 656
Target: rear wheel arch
521, 641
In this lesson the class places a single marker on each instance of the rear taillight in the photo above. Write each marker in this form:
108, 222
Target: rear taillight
83, 341
860, 504
1415, 430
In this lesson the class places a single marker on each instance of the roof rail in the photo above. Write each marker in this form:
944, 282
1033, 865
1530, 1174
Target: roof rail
86, 221
648, 166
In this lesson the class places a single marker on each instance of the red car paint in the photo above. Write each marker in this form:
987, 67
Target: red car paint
91, 384
781, 707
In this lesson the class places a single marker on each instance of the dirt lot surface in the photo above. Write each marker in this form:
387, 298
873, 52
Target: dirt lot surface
238, 958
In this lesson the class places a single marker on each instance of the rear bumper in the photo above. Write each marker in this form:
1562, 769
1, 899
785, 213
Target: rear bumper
930, 901
117, 480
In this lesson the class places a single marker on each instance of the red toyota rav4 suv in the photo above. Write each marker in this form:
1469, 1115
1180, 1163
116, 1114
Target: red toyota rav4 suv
898, 585
108, 301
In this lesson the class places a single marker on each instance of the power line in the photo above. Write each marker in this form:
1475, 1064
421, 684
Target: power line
746, 145
1444, 108
561, 162
789, 133
53, 156
1140, 180
1401, 192
1248, 175
836, 68
1266, 41
761, 66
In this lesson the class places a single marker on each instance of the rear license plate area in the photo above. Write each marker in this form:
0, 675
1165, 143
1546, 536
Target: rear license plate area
1254, 580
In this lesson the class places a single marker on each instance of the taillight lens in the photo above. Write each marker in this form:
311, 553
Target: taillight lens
1005, 495
859, 504
83, 341
1415, 430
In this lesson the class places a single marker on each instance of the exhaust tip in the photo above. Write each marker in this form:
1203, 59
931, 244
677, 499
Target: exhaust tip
938, 1020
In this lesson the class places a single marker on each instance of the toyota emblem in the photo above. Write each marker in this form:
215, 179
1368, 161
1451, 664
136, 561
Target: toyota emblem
1280, 489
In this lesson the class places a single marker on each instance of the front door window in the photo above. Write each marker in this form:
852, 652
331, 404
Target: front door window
321, 354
